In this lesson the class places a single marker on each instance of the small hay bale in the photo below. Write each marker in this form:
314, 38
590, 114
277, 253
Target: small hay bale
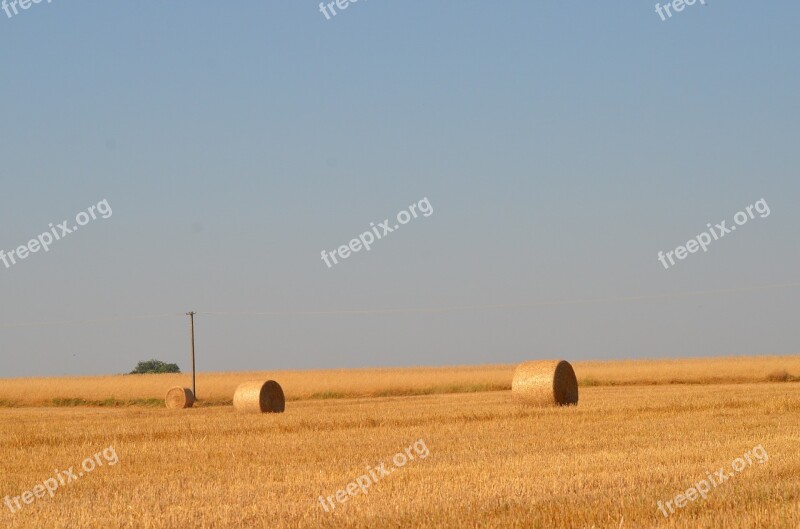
258, 396
179, 398
545, 383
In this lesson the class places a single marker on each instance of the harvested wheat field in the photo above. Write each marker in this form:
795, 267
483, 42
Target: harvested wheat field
218, 388
478, 459
351, 264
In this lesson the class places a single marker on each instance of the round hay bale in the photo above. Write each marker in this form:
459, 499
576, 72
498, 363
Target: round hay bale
258, 396
179, 398
545, 383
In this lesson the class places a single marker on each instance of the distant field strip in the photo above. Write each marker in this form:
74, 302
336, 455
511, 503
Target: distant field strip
216, 389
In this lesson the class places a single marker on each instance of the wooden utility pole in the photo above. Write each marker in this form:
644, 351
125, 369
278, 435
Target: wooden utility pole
194, 376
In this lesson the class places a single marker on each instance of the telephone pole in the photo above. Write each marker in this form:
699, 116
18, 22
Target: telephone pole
194, 376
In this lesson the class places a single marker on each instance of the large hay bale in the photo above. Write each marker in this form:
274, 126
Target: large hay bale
259, 396
179, 398
545, 383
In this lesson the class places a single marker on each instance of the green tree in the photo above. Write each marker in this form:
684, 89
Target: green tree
155, 366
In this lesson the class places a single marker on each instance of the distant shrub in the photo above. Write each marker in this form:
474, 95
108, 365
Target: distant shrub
155, 366
781, 375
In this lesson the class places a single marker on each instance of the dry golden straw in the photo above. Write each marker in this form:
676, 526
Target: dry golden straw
179, 398
259, 396
545, 383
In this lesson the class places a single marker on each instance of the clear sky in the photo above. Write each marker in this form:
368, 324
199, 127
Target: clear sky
561, 145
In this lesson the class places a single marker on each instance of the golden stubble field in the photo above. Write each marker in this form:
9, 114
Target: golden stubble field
218, 388
490, 462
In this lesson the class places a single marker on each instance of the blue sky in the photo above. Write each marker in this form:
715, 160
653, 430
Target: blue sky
560, 145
